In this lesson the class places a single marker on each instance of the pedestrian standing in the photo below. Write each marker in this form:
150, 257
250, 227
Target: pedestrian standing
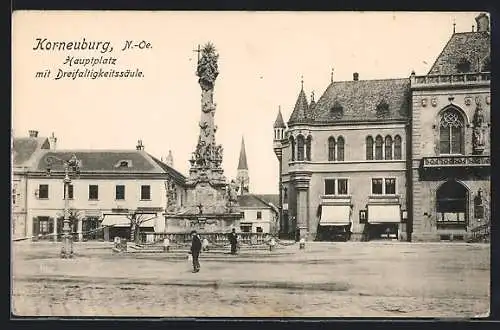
233, 240
195, 251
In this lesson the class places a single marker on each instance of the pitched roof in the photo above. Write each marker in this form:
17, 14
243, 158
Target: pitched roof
250, 200
300, 111
23, 148
103, 161
472, 46
279, 123
242, 164
170, 170
363, 100
273, 199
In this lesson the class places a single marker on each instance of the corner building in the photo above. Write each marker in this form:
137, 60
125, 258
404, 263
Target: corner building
403, 159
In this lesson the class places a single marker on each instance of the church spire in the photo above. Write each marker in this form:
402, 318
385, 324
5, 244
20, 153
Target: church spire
242, 164
242, 177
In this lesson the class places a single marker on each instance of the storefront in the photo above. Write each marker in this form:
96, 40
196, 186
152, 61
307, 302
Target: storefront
334, 223
383, 221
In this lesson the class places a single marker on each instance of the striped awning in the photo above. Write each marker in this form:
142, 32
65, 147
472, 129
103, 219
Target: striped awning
335, 215
384, 214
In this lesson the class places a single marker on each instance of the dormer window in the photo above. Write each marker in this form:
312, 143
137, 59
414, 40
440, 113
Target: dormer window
382, 109
337, 110
463, 65
124, 164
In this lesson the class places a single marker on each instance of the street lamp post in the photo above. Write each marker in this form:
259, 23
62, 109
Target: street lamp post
70, 166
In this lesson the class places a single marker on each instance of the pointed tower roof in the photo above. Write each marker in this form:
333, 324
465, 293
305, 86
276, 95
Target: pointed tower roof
299, 113
242, 164
279, 123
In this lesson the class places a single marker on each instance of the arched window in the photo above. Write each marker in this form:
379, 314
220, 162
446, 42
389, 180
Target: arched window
292, 146
331, 148
397, 147
300, 148
369, 148
378, 147
451, 132
388, 147
451, 203
340, 148
308, 148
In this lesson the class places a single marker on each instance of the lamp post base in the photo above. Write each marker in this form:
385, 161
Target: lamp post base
67, 248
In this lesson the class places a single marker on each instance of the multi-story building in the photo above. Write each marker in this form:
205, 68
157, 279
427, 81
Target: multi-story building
112, 186
343, 160
450, 132
388, 158
24, 151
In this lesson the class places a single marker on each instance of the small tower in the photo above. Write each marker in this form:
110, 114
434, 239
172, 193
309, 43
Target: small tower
279, 136
279, 133
169, 160
242, 177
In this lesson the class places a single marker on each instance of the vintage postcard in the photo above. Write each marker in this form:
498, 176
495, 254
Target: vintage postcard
250, 164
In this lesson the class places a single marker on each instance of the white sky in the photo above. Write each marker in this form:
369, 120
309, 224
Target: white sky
262, 56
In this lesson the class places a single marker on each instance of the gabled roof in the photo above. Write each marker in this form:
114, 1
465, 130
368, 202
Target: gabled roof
250, 200
103, 161
359, 100
300, 111
279, 123
170, 170
273, 199
472, 46
23, 148
242, 164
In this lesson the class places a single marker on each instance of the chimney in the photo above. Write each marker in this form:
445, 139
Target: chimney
355, 76
139, 145
483, 23
33, 133
53, 141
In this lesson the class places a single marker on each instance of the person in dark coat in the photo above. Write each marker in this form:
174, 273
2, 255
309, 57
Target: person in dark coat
233, 240
195, 251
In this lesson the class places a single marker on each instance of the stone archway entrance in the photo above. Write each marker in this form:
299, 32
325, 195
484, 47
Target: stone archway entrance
452, 200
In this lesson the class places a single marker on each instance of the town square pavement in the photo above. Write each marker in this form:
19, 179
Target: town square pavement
345, 279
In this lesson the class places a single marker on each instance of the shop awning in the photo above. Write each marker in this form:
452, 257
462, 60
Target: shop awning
335, 215
116, 220
384, 214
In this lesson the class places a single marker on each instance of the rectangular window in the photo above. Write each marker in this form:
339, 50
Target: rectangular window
259, 215
456, 140
14, 195
390, 186
119, 192
93, 192
70, 192
246, 228
444, 140
43, 191
377, 186
330, 187
342, 186
145, 192
259, 229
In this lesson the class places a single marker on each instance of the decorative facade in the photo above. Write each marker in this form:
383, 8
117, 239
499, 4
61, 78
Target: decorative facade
395, 158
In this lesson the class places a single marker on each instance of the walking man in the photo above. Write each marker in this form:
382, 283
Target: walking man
195, 251
233, 240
